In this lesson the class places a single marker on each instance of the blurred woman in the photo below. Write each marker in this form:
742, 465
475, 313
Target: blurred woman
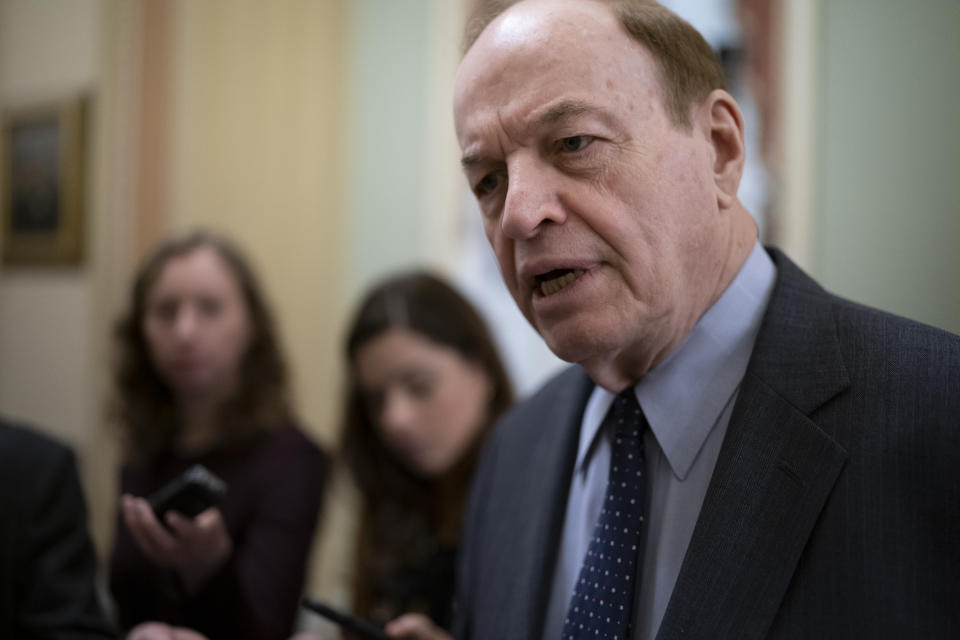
426, 383
200, 379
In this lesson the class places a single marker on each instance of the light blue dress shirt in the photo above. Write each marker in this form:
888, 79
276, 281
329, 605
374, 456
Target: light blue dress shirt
687, 400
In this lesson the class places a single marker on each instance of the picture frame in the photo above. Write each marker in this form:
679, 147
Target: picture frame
43, 184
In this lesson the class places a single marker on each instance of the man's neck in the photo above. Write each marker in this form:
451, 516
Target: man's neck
615, 372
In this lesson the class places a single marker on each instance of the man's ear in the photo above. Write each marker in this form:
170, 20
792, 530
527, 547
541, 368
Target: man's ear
724, 123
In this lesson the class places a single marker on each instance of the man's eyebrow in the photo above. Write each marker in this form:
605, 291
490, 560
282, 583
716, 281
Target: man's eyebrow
564, 110
553, 115
470, 160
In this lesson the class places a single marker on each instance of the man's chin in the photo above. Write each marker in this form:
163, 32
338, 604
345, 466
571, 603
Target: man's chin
573, 345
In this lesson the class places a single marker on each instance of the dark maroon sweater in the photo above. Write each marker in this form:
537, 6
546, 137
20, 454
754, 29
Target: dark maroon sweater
275, 487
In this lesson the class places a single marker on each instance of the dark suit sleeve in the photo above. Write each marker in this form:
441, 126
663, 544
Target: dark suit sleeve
55, 563
463, 603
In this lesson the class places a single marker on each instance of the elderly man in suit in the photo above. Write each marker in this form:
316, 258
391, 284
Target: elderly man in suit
738, 453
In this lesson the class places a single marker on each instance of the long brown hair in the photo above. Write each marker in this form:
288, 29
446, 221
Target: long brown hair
144, 407
407, 517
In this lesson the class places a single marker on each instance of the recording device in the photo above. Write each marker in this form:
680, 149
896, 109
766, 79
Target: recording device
350, 623
196, 490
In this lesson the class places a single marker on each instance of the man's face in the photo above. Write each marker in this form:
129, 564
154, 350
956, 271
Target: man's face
603, 214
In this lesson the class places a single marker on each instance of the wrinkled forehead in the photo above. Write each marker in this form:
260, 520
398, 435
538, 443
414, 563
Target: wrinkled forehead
542, 51
557, 26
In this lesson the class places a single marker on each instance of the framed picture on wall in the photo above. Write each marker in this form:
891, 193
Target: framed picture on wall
42, 185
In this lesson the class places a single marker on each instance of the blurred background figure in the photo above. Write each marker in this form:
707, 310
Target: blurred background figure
47, 562
425, 384
200, 378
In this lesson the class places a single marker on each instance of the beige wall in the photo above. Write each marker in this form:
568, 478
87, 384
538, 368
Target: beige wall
870, 156
887, 210
255, 150
49, 359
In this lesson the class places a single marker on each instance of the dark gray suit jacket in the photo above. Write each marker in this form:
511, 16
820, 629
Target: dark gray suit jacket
47, 562
833, 511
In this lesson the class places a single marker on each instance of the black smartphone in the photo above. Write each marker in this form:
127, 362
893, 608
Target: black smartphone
350, 623
196, 490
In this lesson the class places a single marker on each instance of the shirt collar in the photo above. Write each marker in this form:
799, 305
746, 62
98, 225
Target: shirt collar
683, 396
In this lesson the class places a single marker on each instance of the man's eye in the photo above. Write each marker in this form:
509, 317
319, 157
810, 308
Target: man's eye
487, 184
575, 143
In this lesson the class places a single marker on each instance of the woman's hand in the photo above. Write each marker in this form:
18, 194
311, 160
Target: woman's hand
415, 626
194, 547
161, 631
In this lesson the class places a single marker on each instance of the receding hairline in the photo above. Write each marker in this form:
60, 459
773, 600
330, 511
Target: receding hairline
486, 13
687, 67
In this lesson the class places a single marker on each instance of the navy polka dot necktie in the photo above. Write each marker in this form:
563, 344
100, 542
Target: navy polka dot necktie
602, 602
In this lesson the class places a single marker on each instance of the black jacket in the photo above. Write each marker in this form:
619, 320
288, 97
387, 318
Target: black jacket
47, 562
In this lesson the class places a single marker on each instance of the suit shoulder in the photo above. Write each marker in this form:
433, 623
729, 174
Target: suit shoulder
560, 386
23, 448
535, 425
874, 344
898, 345
865, 325
891, 330
569, 382
911, 369
36, 471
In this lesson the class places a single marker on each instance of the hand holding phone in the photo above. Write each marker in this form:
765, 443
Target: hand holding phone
196, 542
195, 491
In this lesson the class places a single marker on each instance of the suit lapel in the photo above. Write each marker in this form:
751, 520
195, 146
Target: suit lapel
775, 471
539, 503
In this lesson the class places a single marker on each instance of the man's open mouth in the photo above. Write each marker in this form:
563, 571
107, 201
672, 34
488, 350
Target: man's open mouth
555, 280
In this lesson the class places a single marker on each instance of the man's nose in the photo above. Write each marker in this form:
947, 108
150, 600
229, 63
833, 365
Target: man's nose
532, 200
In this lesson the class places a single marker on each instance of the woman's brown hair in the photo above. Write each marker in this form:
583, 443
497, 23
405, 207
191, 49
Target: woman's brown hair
408, 518
144, 406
